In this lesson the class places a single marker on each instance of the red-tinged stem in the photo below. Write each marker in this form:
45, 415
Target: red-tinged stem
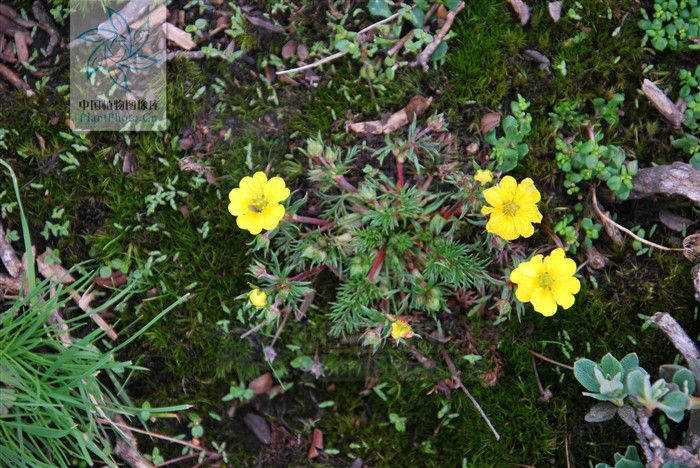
343, 183
591, 135
376, 265
308, 220
306, 274
399, 174
453, 211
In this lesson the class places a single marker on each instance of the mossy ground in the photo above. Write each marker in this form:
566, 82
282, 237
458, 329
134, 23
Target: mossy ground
192, 359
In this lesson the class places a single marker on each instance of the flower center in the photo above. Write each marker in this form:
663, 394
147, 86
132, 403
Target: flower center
258, 203
546, 280
510, 208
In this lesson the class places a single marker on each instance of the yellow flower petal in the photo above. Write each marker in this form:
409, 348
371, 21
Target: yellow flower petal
272, 215
401, 329
523, 226
558, 266
251, 222
533, 268
247, 186
569, 284
526, 193
547, 282
502, 226
260, 180
275, 190
256, 202
492, 195
543, 302
483, 176
526, 285
508, 186
239, 202
563, 298
258, 298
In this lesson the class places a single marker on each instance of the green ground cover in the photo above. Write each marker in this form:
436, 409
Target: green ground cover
174, 228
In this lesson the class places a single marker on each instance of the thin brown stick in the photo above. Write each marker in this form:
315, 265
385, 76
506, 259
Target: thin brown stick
409, 35
425, 55
458, 382
337, 55
634, 236
550, 360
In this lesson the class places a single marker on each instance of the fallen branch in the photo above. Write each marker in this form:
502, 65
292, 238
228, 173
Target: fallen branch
662, 103
676, 335
675, 179
425, 55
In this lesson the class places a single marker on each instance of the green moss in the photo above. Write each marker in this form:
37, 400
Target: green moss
193, 359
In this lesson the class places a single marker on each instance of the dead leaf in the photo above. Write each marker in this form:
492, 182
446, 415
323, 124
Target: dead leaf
115, 280
261, 384
674, 222
302, 52
555, 10
21, 46
596, 260
415, 107
8, 256
58, 273
264, 24
129, 164
695, 273
604, 217
538, 57
662, 103
259, 427
316, 444
489, 121
41, 141
178, 37
289, 48
188, 164
521, 9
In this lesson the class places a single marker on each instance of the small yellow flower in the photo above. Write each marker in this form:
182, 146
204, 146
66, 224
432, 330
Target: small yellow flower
547, 282
256, 202
401, 329
258, 298
513, 208
483, 176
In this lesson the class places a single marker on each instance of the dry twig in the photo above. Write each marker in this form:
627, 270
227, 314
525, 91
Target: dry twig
425, 55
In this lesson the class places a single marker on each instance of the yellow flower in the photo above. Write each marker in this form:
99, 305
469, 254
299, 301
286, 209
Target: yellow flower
258, 298
483, 176
256, 202
513, 208
547, 283
401, 329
